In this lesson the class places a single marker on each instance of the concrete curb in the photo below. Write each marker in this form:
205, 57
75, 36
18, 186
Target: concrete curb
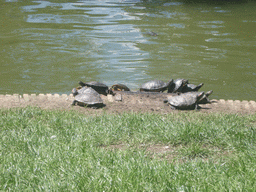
152, 101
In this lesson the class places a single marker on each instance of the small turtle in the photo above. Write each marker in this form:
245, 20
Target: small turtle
119, 87
97, 86
191, 87
152, 33
179, 84
87, 96
185, 101
156, 86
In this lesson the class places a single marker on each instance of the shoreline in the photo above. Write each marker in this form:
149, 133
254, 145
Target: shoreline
122, 102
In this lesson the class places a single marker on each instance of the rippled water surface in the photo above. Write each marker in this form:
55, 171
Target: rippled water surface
48, 46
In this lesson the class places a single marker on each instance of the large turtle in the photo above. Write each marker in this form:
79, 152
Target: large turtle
179, 84
185, 101
119, 87
97, 86
87, 96
156, 86
191, 87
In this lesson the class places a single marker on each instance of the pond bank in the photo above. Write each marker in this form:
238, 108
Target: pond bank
129, 103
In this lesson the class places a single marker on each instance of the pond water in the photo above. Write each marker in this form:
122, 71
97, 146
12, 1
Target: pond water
48, 46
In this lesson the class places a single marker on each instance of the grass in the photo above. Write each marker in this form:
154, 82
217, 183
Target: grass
44, 150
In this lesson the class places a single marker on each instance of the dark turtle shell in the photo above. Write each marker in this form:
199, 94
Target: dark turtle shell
97, 86
191, 87
119, 87
185, 101
179, 84
87, 96
156, 86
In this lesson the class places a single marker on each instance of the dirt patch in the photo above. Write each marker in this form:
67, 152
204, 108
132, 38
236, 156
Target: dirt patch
172, 154
123, 102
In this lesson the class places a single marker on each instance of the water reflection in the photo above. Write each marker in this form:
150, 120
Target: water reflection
47, 46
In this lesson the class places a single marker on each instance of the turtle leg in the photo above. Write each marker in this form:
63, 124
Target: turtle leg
74, 102
197, 107
173, 108
165, 100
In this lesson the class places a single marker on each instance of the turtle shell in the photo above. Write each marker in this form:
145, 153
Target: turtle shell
179, 84
119, 87
191, 87
203, 99
101, 88
185, 101
87, 96
155, 86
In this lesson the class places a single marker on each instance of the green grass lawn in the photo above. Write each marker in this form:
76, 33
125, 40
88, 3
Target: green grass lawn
45, 150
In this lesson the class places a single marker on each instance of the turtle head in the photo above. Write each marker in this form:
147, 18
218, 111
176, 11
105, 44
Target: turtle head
208, 93
170, 82
110, 91
74, 92
199, 86
81, 83
200, 95
170, 86
184, 82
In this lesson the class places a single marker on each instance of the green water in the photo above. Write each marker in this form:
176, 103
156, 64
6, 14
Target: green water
48, 46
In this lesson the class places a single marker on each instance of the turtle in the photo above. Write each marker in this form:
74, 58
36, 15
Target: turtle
119, 87
151, 33
87, 96
191, 87
97, 86
185, 101
179, 84
156, 86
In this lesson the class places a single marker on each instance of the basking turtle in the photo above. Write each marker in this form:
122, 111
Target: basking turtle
156, 86
119, 87
87, 96
179, 84
185, 101
97, 86
191, 87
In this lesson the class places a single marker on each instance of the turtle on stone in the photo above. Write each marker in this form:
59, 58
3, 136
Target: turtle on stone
185, 101
191, 87
157, 86
87, 97
179, 84
119, 87
97, 86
